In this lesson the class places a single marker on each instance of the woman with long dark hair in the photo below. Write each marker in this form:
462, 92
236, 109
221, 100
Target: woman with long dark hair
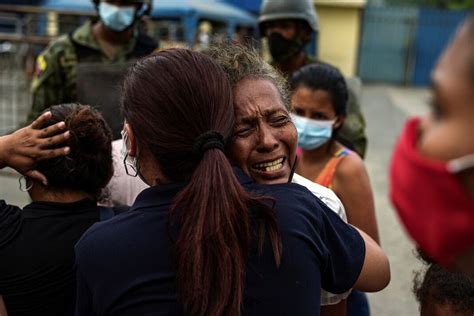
204, 239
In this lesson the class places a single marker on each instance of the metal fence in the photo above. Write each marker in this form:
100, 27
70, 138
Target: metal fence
386, 46
401, 45
24, 32
14, 86
434, 31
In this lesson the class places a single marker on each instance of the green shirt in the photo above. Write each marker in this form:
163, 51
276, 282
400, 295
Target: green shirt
54, 81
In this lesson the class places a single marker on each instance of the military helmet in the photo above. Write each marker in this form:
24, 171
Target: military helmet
271, 10
145, 5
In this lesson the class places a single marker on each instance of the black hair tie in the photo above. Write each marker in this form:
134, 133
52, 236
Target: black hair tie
206, 141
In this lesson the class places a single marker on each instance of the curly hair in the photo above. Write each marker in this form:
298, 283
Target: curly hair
243, 62
88, 167
322, 76
444, 287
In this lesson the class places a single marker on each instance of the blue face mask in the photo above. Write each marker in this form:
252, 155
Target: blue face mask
116, 18
312, 133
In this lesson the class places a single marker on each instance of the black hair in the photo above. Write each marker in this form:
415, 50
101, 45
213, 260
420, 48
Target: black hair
88, 167
322, 76
443, 287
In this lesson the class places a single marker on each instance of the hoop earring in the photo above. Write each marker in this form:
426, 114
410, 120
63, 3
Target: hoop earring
24, 187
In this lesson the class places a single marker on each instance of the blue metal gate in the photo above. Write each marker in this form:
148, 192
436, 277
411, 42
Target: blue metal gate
435, 29
387, 38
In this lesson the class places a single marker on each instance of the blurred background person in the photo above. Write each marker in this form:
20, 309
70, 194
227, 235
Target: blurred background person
432, 171
318, 98
288, 26
87, 65
37, 242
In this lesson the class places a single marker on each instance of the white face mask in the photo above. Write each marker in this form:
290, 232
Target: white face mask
116, 18
128, 162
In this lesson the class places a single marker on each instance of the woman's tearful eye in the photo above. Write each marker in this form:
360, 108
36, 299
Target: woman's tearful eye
243, 131
279, 120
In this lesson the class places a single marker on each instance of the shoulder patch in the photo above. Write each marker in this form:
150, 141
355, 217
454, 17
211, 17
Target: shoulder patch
40, 65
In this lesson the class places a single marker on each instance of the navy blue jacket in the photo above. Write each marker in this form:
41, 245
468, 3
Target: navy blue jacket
125, 265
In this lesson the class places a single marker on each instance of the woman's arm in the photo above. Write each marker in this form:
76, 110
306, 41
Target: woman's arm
339, 309
352, 186
21, 149
375, 273
3, 309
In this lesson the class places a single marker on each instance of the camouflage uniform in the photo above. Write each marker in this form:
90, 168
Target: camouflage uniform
54, 81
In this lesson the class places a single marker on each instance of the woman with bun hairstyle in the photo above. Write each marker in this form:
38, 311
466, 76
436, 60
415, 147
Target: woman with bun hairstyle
205, 239
63, 173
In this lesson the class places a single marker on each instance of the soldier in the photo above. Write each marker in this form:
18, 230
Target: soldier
288, 27
86, 65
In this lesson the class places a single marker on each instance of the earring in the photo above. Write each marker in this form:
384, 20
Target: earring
24, 187
132, 163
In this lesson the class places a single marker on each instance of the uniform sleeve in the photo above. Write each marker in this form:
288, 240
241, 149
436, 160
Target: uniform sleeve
48, 86
344, 253
43, 87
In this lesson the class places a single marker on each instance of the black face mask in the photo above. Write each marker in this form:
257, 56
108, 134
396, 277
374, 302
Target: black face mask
283, 49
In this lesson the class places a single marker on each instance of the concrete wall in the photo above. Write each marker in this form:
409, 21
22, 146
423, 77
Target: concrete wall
340, 30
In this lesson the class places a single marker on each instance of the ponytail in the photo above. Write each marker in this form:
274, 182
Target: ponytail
214, 241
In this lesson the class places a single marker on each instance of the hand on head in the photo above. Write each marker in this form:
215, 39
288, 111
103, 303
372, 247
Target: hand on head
23, 148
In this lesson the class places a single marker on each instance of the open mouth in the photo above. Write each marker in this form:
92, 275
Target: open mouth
269, 166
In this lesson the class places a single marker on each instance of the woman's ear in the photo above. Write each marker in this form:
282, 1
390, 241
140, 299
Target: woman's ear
132, 142
339, 121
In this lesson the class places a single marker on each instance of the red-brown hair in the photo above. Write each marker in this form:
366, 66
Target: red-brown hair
169, 99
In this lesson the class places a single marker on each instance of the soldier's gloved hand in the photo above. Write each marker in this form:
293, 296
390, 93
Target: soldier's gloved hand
23, 148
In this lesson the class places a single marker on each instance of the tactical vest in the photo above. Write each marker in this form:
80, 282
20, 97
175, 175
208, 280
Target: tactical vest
99, 84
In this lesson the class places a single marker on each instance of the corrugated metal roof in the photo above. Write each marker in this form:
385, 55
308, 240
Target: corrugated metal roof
202, 9
79, 5
211, 9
